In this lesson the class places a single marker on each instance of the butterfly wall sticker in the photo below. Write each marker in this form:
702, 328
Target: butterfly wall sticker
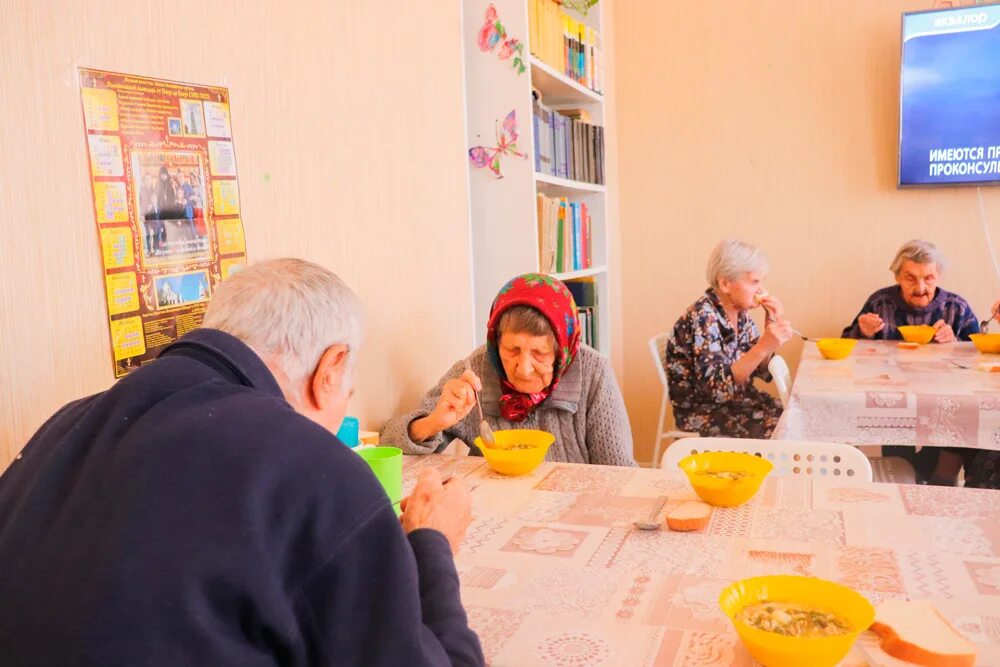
494, 33
482, 156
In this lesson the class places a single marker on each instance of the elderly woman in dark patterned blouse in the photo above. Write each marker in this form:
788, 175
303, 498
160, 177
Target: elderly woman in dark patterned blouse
716, 350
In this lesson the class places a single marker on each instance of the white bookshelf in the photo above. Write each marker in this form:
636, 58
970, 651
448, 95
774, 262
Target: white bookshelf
563, 186
503, 211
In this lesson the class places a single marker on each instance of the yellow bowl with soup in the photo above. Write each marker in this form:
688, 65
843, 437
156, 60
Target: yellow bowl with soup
836, 348
986, 343
919, 333
725, 479
516, 451
789, 621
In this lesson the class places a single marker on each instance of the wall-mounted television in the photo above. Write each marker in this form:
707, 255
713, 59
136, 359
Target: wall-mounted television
949, 102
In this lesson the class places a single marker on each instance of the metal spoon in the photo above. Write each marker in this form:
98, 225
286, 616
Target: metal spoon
485, 432
770, 317
802, 336
984, 326
651, 523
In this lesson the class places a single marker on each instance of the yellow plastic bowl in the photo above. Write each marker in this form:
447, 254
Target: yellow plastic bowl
920, 333
725, 492
836, 348
986, 343
774, 650
516, 461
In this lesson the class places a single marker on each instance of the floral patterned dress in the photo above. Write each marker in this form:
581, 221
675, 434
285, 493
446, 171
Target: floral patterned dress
705, 396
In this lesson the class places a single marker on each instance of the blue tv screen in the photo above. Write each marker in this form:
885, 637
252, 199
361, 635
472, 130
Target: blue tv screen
949, 110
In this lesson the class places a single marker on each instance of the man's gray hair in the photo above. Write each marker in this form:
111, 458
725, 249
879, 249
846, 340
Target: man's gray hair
921, 252
731, 259
289, 311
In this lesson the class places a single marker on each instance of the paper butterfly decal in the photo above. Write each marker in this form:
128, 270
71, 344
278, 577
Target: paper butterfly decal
493, 32
482, 156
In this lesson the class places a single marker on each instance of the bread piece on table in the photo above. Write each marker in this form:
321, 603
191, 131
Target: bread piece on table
906, 345
917, 632
690, 515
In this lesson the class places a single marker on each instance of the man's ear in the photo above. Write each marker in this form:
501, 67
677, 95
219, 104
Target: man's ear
327, 380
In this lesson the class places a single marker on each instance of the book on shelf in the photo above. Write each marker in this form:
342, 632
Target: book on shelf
584, 291
588, 325
570, 47
564, 235
567, 145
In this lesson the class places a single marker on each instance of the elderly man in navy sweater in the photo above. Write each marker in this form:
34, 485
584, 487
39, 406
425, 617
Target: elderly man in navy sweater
200, 512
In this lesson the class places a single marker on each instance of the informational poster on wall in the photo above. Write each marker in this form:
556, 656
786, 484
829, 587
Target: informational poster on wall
166, 202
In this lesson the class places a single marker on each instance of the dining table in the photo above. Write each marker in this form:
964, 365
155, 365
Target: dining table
938, 395
554, 572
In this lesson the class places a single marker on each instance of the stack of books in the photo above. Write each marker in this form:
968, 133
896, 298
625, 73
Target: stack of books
564, 235
567, 45
567, 145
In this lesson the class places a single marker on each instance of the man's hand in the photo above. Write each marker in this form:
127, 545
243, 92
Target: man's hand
444, 507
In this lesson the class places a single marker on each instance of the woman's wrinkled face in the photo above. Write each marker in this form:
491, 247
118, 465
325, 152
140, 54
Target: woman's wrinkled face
528, 360
918, 283
741, 292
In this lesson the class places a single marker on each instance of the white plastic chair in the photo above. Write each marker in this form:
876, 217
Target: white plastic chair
782, 377
657, 346
790, 457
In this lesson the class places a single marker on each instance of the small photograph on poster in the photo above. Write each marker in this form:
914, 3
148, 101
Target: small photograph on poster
193, 117
170, 197
181, 289
174, 126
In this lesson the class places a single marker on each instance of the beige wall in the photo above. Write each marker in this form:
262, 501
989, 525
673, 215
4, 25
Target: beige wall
774, 121
348, 126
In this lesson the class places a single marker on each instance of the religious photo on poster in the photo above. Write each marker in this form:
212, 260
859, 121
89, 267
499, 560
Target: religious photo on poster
170, 198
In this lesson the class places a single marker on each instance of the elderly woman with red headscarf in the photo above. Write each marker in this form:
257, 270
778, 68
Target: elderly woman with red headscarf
533, 373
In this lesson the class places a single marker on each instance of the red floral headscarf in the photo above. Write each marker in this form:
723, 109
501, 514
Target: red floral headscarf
553, 300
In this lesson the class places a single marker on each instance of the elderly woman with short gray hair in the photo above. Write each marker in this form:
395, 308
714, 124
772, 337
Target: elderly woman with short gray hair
716, 349
915, 299
533, 373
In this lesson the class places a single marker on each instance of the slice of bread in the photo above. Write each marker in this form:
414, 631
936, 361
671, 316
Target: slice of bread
690, 515
916, 632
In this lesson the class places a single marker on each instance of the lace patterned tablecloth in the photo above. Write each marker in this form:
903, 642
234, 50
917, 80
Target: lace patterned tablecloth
882, 395
553, 572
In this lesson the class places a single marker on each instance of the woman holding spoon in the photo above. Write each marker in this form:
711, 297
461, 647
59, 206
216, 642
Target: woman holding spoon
533, 373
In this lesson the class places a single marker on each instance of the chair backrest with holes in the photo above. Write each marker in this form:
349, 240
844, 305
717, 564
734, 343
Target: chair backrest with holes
657, 347
790, 457
782, 377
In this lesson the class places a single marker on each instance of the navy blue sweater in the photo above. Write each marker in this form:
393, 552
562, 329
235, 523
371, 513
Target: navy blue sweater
189, 516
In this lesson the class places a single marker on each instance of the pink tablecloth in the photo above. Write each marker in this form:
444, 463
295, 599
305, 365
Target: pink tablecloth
882, 395
553, 573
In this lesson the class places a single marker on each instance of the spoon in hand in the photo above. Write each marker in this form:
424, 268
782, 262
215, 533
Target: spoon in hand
485, 432
651, 523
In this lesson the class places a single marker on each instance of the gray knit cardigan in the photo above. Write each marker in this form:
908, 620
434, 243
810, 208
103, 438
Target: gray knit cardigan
586, 413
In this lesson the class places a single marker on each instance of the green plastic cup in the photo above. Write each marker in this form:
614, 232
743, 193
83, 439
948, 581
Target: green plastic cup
387, 465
